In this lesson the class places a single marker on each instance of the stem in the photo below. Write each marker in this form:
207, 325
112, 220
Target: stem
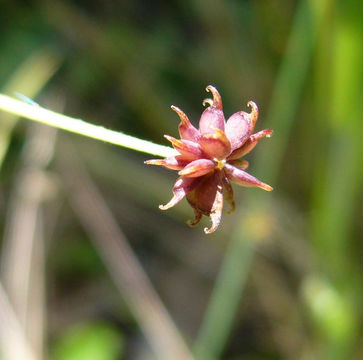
120, 260
77, 126
221, 312
13, 343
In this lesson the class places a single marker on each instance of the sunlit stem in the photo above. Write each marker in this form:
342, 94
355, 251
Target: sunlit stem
77, 126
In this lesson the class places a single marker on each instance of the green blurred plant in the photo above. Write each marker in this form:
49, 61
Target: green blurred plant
89, 341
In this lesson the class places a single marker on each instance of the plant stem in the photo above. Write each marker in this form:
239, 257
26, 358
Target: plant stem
78, 126
13, 343
120, 260
223, 304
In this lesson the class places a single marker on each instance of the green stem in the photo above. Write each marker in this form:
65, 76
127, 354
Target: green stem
220, 313
226, 296
77, 126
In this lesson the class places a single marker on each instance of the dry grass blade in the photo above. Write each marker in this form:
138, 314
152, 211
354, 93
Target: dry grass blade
13, 343
23, 240
120, 260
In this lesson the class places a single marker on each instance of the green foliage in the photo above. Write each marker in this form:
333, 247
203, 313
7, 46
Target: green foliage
92, 341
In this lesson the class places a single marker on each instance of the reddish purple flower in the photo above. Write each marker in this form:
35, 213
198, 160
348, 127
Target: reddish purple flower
208, 159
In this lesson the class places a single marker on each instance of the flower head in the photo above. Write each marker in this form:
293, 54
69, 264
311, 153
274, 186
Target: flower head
208, 159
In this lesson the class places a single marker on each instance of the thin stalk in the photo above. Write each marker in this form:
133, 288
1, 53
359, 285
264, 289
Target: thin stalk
23, 239
80, 127
13, 344
337, 186
226, 296
120, 260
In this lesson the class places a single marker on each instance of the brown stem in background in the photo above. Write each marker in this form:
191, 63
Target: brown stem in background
119, 259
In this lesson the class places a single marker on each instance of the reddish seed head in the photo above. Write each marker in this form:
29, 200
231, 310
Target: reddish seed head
208, 159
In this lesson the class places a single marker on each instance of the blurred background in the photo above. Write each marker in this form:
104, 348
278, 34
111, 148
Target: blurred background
92, 269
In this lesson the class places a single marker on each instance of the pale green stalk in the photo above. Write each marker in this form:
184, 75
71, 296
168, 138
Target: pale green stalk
223, 305
80, 127
337, 186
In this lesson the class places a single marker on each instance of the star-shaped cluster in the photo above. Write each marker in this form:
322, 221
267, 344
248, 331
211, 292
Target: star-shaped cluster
209, 159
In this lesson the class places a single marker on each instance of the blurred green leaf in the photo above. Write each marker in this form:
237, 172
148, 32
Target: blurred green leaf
93, 341
332, 315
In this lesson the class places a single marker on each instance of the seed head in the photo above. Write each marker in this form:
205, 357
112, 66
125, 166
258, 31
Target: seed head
208, 159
